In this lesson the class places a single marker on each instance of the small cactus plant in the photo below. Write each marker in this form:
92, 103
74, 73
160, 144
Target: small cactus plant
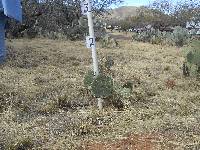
89, 78
102, 86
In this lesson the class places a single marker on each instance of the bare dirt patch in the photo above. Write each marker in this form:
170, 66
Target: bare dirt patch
131, 142
139, 142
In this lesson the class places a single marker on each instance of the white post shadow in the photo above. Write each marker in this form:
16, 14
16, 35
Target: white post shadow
90, 40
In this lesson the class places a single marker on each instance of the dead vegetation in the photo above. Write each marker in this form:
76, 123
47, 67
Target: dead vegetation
44, 104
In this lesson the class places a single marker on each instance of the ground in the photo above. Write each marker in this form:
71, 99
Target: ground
44, 104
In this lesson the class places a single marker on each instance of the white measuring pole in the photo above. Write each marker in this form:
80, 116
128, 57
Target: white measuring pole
91, 33
87, 10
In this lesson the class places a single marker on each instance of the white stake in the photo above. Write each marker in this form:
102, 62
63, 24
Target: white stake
91, 32
87, 10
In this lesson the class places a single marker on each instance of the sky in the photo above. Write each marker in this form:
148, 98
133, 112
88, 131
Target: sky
136, 2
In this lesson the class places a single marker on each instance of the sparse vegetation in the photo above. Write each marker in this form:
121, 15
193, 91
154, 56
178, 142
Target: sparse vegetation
43, 96
150, 90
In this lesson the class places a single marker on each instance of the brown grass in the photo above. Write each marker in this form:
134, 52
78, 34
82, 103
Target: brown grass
43, 99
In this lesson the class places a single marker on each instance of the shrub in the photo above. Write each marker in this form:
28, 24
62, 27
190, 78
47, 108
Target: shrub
180, 36
157, 37
168, 39
108, 42
152, 36
143, 36
192, 55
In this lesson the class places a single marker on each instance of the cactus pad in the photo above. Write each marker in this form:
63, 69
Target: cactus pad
89, 78
102, 86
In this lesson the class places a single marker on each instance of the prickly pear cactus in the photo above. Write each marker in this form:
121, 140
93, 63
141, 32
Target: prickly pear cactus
88, 80
102, 86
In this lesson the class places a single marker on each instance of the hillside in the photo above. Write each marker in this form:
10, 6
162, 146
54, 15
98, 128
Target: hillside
123, 12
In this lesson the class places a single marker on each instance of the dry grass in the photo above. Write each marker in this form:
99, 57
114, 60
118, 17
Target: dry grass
44, 105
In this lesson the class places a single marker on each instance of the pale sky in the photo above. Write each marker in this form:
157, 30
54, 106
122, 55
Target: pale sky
136, 2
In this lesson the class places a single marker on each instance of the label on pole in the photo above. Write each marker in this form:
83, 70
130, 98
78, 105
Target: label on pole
90, 42
85, 7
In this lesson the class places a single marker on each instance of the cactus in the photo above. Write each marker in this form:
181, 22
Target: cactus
89, 78
102, 86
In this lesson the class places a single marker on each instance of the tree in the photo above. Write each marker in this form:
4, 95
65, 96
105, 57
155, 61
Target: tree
46, 17
179, 13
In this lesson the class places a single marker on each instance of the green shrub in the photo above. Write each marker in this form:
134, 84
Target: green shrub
180, 36
168, 39
152, 36
108, 42
192, 55
157, 37
143, 36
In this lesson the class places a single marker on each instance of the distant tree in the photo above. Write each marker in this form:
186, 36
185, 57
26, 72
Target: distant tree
125, 24
179, 13
187, 11
148, 16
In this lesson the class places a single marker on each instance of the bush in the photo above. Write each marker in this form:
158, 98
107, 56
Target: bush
143, 36
192, 55
157, 37
180, 36
168, 39
152, 36
52, 19
108, 42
